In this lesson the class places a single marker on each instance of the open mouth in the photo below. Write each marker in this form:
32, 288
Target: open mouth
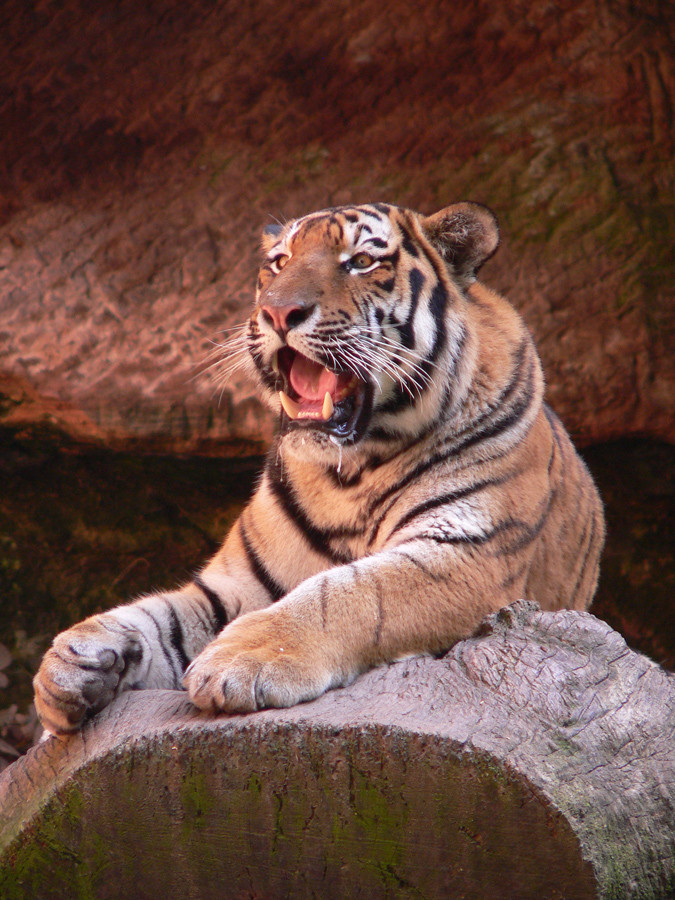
313, 395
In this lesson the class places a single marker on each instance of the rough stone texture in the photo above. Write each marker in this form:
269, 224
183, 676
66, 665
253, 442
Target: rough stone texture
535, 760
144, 145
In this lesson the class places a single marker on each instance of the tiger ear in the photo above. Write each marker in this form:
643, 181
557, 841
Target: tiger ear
465, 234
270, 233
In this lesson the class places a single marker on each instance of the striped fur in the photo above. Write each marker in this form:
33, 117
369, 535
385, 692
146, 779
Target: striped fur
431, 487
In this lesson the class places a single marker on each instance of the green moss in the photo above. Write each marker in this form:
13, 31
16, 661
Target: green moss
196, 798
254, 785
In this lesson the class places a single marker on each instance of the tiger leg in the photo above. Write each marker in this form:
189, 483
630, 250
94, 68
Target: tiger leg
418, 597
146, 644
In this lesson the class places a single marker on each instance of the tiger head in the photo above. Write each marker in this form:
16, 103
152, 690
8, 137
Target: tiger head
357, 331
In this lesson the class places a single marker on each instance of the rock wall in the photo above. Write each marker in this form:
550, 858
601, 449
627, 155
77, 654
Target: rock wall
145, 145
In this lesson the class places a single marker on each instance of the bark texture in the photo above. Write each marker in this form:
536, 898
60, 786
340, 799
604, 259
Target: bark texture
145, 145
535, 760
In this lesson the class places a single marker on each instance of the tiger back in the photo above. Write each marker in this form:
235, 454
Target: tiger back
418, 480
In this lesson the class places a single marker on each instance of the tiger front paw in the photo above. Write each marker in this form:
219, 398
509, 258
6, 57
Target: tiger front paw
255, 664
83, 671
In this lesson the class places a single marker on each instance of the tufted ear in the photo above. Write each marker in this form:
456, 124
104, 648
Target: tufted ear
465, 234
270, 233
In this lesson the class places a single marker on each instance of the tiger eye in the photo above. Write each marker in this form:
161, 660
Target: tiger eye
279, 262
361, 261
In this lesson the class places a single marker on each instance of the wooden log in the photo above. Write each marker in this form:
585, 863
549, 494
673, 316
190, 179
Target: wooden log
535, 760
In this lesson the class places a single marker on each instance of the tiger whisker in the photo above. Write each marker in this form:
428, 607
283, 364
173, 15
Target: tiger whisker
242, 326
220, 356
417, 376
364, 358
396, 362
226, 357
382, 338
367, 358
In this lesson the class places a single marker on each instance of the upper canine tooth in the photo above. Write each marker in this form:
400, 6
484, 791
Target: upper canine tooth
327, 408
291, 408
275, 362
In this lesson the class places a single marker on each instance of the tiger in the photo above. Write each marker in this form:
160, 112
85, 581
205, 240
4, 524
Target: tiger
417, 481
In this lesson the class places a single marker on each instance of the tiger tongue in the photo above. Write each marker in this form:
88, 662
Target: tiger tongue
311, 380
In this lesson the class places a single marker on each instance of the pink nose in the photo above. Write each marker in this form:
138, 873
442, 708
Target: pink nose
283, 318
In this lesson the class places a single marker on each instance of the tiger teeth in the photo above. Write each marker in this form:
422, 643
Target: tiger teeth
275, 363
291, 408
327, 408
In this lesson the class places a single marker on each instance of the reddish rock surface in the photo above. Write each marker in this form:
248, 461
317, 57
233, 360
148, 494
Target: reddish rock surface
144, 146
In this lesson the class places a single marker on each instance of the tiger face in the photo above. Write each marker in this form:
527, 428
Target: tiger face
356, 308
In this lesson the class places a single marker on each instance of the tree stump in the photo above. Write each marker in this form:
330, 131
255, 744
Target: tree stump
535, 760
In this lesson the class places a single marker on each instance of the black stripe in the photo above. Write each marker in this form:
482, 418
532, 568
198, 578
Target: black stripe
176, 636
363, 211
407, 329
589, 548
370, 464
529, 534
391, 258
165, 651
407, 241
217, 605
436, 424
511, 579
458, 349
61, 701
443, 500
334, 221
51, 725
400, 399
259, 570
388, 435
318, 538
458, 539
437, 306
498, 425
438, 264
268, 380
203, 617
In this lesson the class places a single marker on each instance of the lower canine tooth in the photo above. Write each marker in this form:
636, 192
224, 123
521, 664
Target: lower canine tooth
291, 408
327, 408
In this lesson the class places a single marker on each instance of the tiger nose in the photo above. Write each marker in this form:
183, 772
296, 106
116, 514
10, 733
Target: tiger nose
283, 318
